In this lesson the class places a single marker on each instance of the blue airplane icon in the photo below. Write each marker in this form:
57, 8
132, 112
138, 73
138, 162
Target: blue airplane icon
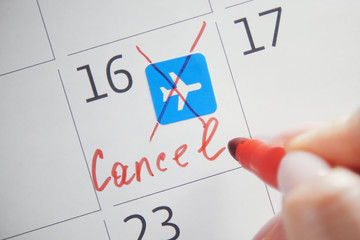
191, 75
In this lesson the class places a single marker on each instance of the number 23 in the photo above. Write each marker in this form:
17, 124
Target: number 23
165, 223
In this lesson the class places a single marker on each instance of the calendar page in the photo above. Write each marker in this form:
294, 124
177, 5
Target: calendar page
115, 115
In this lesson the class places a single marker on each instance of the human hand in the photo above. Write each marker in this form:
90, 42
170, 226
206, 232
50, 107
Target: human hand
320, 182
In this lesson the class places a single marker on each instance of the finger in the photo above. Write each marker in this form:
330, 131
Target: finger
289, 134
324, 207
338, 142
272, 230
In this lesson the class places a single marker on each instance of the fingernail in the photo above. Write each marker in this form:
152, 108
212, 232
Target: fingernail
298, 166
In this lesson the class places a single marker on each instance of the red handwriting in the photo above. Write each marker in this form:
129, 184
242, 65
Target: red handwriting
178, 153
161, 157
119, 171
121, 177
207, 139
98, 153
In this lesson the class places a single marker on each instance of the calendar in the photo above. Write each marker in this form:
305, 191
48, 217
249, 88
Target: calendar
115, 115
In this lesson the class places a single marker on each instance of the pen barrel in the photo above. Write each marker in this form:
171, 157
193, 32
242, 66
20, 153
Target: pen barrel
261, 159
265, 163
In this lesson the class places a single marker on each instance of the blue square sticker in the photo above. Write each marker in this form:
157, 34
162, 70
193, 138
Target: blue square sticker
181, 88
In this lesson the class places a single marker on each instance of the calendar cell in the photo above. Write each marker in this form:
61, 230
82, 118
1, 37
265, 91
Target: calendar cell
43, 172
24, 42
112, 20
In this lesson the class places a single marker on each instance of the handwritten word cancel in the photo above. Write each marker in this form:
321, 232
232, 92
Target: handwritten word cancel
120, 172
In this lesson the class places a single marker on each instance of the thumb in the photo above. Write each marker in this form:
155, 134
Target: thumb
324, 207
337, 142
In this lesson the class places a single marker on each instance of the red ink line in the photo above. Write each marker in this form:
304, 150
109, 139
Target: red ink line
154, 130
202, 121
170, 94
174, 88
206, 139
147, 58
173, 85
192, 49
176, 81
198, 36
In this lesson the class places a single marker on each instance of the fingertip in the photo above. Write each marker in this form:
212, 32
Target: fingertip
298, 166
338, 141
294, 131
272, 230
327, 207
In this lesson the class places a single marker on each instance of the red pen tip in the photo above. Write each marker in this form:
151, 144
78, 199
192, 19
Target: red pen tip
232, 145
257, 157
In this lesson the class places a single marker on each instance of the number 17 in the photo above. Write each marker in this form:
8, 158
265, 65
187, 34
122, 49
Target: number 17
248, 32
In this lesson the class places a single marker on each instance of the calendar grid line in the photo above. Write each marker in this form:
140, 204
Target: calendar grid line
271, 203
46, 31
141, 33
52, 224
102, 103
237, 4
212, 10
30, 66
242, 109
233, 80
177, 186
78, 136
107, 230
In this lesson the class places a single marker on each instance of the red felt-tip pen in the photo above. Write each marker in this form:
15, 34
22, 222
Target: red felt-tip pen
258, 157
276, 166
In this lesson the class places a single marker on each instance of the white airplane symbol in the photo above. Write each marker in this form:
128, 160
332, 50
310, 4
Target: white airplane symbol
182, 88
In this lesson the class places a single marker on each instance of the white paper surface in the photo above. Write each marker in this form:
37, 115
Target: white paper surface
53, 121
